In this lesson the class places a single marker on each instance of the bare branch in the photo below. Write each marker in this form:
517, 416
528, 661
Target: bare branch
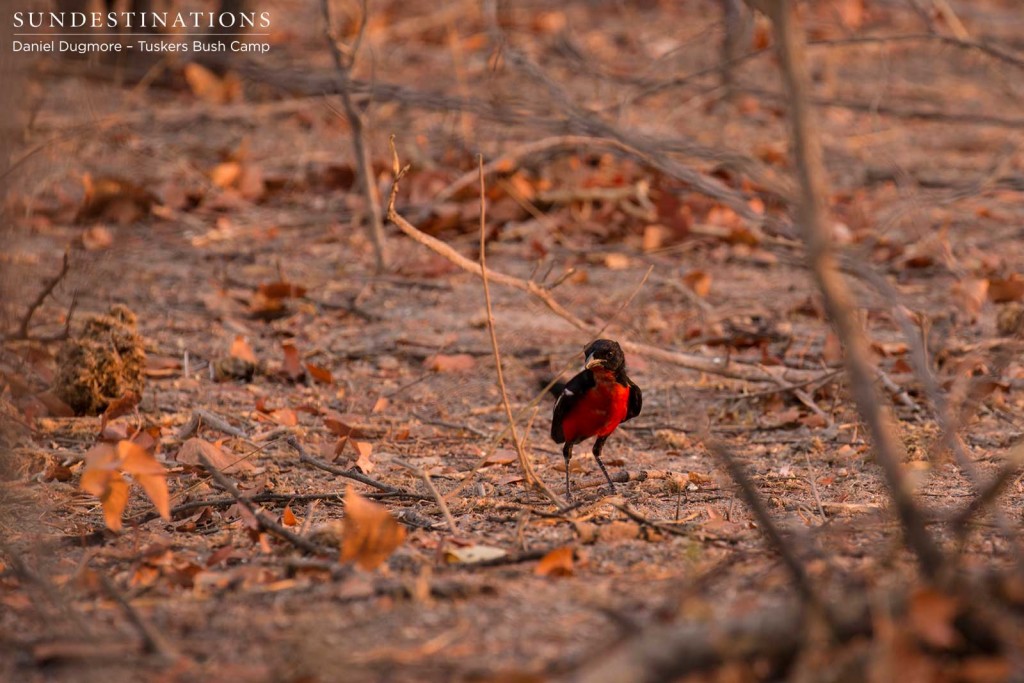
839, 303
48, 288
752, 498
724, 367
357, 121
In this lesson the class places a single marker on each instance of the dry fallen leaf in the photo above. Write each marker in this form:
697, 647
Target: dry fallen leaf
1002, 290
292, 364
970, 294
97, 237
288, 517
218, 457
102, 477
371, 532
459, 362
286, 417
472, 554
363, 462
558, 562
698, 281
322, 375
931, 615
241, 350
211, 88
150, 474
119, 407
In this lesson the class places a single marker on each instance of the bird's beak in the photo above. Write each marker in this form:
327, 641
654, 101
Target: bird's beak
593, 362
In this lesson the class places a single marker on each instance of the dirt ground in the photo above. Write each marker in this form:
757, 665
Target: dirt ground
224, 211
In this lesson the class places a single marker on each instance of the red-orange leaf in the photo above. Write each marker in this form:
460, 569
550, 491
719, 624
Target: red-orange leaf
558, 562
150, 474
371, 533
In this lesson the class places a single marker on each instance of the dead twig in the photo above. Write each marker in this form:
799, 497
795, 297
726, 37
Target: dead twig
202, 416
989, 492
344, 64
889, 452
752, 498
262, 517
153, 641
438, 498
48, 288
352, 474
524, 459
725, 367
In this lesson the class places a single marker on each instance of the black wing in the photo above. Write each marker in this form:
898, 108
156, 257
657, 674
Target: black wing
636, 400
569, 397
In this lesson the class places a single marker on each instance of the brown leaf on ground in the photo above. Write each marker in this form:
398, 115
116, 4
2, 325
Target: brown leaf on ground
342, 425
970, 294
322, 375
459, 362
288, 517
931, 615
211, 88
241, 350
113, 200
558, 562
286, 417
1002, 290
102, 479
282, 290
159, 367
189, 452
292, 364
364, 450
97, 237
371, 532
699, 282
119, 407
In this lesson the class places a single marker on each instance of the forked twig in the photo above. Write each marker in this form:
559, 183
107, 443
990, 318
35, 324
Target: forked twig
262, 517
344, 64
48, 288
438, 498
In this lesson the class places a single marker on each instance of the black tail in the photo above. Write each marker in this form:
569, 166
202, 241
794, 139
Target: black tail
555, 389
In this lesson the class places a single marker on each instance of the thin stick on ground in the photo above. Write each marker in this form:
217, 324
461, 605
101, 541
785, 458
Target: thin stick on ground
48, 288
203, 416
355, 475
265, 521
990, 491
889, 452
422, 474
153, 641
344, 64
752, 498
524, 459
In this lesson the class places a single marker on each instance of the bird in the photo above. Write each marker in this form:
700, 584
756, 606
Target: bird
594, 403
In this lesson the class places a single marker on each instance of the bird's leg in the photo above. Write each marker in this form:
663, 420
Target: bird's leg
598, 445
567, 454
